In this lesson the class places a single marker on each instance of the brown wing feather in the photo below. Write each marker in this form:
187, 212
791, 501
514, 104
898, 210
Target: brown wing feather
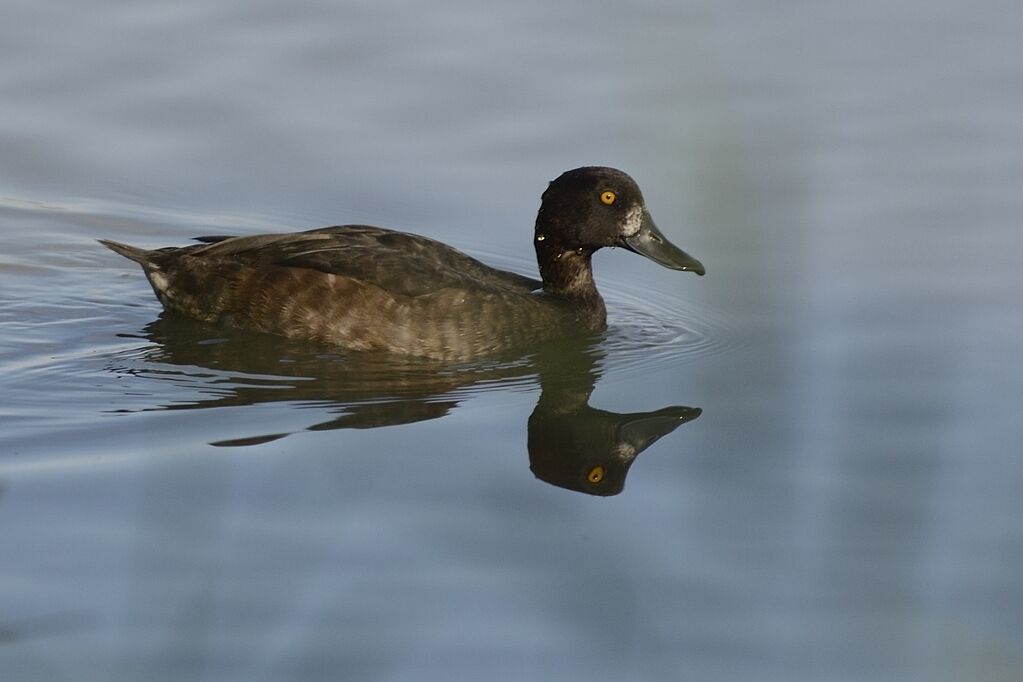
402, 263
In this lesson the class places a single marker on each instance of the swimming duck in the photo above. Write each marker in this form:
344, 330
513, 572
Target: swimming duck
368, 288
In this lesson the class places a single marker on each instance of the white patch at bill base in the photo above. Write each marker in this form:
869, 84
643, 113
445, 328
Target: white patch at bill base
160, 282
633, 220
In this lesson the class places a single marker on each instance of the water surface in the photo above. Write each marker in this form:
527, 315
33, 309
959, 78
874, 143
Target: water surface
835, 491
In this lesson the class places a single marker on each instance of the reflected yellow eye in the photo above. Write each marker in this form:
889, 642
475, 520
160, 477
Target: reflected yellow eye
596, 474
608, 197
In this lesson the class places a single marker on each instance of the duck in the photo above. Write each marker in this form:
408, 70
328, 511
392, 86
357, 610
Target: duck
365, 288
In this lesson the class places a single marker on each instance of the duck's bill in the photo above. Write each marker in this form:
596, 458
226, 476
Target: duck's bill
640, 429
649, 242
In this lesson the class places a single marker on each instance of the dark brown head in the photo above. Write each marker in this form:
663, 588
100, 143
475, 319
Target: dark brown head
592, 207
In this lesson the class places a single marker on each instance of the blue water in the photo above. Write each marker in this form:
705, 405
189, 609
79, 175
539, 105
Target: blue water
841, 502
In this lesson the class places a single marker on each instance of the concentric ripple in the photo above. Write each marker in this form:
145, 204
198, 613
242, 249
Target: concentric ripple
647, 330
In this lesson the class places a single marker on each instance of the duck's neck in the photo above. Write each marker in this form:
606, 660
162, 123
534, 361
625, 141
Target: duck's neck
568, 274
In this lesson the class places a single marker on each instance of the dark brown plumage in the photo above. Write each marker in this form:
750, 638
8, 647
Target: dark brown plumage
368, 288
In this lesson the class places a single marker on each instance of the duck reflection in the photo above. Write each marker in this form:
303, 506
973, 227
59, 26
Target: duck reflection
571, 445
575, 446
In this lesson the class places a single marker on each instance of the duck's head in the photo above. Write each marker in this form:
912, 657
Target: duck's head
592, 207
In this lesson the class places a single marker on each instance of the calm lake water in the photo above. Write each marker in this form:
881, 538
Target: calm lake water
835, 490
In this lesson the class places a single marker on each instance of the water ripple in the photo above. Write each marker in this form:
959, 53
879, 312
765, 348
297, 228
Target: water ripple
647, 330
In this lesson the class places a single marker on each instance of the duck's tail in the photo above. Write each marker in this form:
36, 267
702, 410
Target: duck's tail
140, 256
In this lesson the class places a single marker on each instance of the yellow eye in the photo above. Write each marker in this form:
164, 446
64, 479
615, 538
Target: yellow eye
596, 474
607, 197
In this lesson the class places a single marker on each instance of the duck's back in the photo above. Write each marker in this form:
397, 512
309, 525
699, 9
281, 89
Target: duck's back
356, 286
398, 262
